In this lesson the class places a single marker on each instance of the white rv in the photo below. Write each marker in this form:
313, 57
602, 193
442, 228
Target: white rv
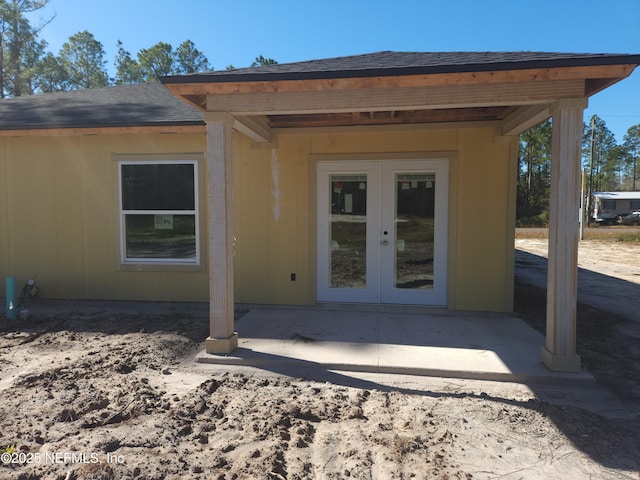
610, 207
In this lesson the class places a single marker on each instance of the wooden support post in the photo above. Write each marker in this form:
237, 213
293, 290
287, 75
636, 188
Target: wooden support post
559, 352
222, 337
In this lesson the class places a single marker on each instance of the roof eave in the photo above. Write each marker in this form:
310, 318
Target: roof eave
258, 76
95, 129
595, 78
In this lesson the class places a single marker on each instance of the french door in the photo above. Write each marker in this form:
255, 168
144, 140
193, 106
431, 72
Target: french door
382, 231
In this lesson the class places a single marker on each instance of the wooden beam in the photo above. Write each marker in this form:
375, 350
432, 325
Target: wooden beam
414, 98
254, 128
397, 127
525, 118
595, 85
62, 132
390, 117
465, 78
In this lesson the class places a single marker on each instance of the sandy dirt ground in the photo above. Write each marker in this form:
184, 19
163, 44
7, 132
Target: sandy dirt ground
616, 259
99, 396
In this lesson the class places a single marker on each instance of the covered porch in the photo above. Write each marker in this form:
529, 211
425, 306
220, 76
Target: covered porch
398, 340
504, 93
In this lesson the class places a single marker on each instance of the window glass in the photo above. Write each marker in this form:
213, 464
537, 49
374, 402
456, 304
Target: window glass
158, 186
348, 241
415, 231
159, 218
160, 236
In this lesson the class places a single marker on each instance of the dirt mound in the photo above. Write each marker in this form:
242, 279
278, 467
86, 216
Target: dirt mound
106, 397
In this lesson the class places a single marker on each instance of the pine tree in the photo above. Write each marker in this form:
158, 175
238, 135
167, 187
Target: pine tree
82, 57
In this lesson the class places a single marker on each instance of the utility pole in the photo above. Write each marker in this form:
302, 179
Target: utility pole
583, 205
593, 130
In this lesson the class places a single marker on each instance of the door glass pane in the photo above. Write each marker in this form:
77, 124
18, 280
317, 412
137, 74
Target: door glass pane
348, 231
414, 227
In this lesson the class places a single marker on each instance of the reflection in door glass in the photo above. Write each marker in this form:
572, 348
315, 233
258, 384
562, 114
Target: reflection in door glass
414, 227
348, 231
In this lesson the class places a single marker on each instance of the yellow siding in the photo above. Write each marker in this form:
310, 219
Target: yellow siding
271, 221
61, 218
59, 214
251, 192
269, 249
482, 219
4, 234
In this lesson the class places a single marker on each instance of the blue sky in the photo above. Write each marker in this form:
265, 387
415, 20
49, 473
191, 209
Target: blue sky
234, 32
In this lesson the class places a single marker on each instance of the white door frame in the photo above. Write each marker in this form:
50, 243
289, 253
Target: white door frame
370, 293
381, 209
438, 294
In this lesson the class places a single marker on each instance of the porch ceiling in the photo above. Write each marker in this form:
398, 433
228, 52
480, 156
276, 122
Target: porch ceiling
388, 117
512, 95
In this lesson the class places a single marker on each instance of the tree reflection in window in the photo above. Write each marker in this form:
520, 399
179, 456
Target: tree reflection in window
159, 212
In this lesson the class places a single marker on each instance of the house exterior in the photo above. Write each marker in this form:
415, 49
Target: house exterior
59, 190
355, 179
609, 206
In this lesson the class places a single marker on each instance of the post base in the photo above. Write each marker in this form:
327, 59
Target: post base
221, 345
561, 363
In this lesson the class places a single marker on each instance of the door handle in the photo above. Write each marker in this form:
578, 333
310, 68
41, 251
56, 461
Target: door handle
385, 243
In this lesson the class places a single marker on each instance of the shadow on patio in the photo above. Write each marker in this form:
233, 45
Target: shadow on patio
395, 340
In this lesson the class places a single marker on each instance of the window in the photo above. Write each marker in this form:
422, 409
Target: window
159, 212
635, 204
608, 204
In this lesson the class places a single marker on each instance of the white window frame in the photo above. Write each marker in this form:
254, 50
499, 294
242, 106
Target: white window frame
124, 260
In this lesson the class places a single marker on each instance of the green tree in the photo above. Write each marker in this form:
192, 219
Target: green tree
50, 75
188, 59
600, 159
631, 145
613, 170
156, 61
534, 171
18, 43
33, 56
127, 69
261, 61
82, 57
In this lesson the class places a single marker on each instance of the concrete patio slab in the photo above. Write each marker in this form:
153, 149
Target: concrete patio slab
393, 340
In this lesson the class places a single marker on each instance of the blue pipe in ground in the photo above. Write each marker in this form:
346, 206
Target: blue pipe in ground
12, 307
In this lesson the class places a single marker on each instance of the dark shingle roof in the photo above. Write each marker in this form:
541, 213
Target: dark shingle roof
146, 104
406, 63
151, 104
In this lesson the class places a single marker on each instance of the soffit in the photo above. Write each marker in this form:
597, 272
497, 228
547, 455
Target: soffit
281, 97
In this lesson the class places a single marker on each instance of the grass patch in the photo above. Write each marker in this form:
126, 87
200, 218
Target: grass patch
629, 237
613, 234
610, 234
532, 233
